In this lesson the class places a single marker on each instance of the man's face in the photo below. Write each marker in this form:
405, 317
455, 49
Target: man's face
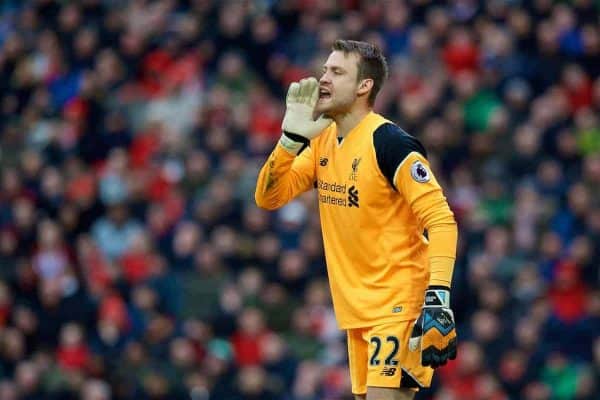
338, 84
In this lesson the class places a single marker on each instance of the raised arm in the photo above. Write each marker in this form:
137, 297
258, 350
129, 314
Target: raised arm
283, 177
290, 169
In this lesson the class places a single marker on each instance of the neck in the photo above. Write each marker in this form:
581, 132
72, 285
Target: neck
347, 121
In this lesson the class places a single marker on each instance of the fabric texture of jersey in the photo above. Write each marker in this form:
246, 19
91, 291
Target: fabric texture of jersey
376, 197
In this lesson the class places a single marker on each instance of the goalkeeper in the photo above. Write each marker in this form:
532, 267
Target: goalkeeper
389, 235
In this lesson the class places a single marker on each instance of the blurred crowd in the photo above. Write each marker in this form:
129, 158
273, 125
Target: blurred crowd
134, 263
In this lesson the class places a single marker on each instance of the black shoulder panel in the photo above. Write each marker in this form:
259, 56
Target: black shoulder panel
392, 145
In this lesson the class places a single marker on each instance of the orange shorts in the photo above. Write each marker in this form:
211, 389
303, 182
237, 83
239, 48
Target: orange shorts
379, 357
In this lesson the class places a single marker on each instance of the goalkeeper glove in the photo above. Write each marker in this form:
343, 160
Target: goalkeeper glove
434, 332
299, 126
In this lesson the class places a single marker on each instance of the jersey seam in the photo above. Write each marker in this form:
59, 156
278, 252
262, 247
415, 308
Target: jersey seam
374, 154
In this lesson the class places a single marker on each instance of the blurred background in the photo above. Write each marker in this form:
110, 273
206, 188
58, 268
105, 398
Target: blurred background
135, 265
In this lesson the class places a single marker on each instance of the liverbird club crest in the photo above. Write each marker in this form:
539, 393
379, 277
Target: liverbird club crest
354, 173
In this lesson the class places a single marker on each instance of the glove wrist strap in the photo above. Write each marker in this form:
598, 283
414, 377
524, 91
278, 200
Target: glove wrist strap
293, 143
437, 296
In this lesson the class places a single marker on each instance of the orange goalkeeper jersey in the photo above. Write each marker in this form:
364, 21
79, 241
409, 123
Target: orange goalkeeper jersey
377, 196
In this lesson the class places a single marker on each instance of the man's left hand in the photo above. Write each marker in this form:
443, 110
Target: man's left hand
434, 332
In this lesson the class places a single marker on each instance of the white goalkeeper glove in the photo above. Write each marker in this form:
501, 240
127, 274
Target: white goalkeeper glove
299, 126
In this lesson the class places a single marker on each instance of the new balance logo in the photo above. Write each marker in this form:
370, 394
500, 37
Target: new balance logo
388, 371
323, 161
352, 197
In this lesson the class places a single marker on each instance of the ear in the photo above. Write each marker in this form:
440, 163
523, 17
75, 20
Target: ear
364, 87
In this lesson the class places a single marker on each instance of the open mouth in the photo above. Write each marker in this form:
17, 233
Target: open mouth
324, 94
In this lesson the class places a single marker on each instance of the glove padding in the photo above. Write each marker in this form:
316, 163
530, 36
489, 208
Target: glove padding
298, 124
434, 332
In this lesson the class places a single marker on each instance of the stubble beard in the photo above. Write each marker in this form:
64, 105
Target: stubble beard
332, 109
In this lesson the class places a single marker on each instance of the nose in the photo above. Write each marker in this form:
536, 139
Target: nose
324, 78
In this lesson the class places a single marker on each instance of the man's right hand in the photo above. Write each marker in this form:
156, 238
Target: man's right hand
299, 126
